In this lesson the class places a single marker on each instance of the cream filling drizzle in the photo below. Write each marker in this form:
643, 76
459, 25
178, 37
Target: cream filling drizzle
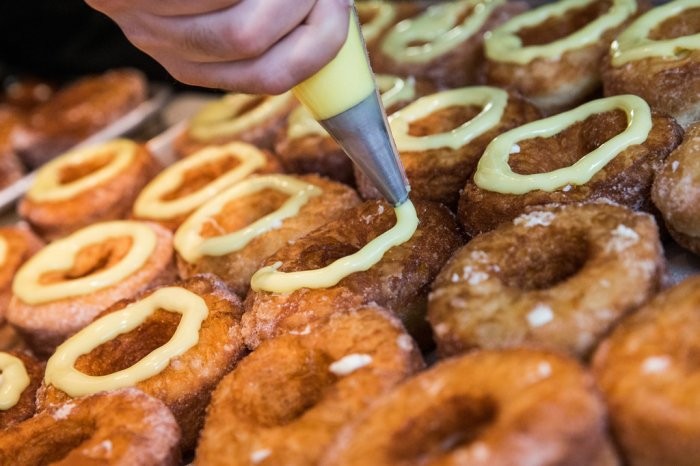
634, 42
150, 204
271, 279
494, 174
492, 100
61, 254
60, 368
222, 118
47, 185
191, 245
13, 380
503, 44
384, 14
393, 90
437, 27
3, 250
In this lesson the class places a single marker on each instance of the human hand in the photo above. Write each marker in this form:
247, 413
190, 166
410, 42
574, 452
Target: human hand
251, 46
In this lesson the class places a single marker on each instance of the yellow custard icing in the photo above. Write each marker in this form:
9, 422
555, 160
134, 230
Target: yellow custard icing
494, 174
13, 380
493, 102
503, 44
634, 42
438, 29
223, 118
60, 368
150, 204
61, 255
47, 185
393, 90
189, 242
271, 279
341, 84
383, 14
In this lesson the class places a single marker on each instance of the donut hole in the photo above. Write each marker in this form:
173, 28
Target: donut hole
684, 24
453, 423
559, 255
196, 178
443, 120
127, 349
240, 212
73, 172
557, 27
51, 445
281, 383
542, 155
91, 259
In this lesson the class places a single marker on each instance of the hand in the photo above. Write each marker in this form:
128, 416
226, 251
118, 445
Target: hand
251, 46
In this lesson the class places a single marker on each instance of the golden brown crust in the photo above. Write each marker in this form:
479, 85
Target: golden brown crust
670, 86
46, 325
77, 111
185, 385
461, 66
237, 267
21, 245
557, 85
626, 180
558, 277
261, 135
124, 427
485, 408
111, 200
199, 177
440, 174
676, 191
399, 281
26, 405
287, 400
648, 374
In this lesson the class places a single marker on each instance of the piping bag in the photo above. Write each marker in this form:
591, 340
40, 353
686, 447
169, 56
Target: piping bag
343, 97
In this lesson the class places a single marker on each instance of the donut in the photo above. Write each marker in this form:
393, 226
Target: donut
440, 138
658, 58
551, 54
284, 403
77, 111
143, 343
87, 185
443, 43
21, 377
399, 278
233, 233
675, 191
608, 148
125, 427
305, 147
377, 17
11, 169
558, 277
67, 283
511, 407
17, 244
187, 184
254, 119
647, 373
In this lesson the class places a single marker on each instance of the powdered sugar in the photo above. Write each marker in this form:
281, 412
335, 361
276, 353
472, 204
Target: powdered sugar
350, 363
540, 315
622, 238
305, 331
259, 455
533, 219
405, 342
63, 411
655, 364
674, 166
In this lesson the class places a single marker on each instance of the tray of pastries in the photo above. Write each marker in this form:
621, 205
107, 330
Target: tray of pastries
234, 291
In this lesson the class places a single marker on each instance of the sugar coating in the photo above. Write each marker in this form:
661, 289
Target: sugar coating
515, 149
405, 342
540, 315
63, 411
350, 363
544, 369
655, 364
674, 166
481, 451
534, 219
622, 238
441, 329
104, 448
259, 455
305, 331
566, 188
